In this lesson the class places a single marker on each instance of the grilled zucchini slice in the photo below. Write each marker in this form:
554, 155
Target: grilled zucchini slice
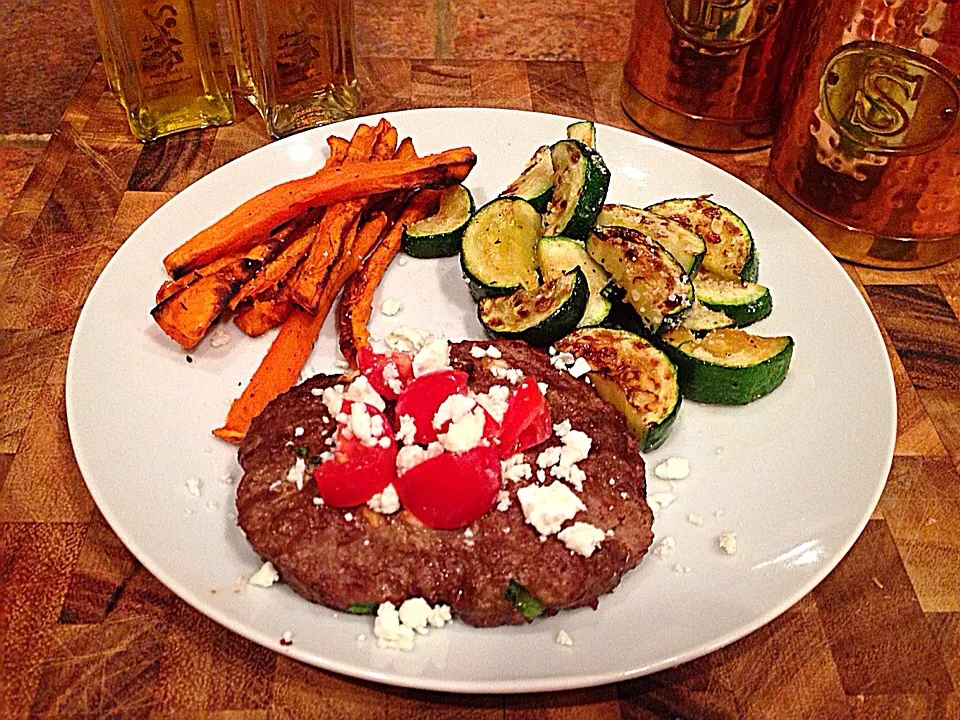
743, 302
728, 366
535, 184
540, 316
700, 319
580, 182
656, 285
584, 131
557, 255
439, 235
634, 376
498, 250
686, 246
731, 252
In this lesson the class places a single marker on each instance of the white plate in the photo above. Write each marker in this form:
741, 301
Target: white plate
795, 475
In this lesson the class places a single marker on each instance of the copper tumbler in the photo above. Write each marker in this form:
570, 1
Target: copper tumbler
704, 73
868, 153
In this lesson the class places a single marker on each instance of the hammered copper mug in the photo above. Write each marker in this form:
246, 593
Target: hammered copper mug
867, 154
704, 73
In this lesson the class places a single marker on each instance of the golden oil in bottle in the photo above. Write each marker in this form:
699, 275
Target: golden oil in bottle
170, 69
240, 51
107, 51
302, 61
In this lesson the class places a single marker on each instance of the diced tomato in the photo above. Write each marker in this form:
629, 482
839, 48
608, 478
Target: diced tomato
357, 471
373, 365
422, 398
527, 420
452, 489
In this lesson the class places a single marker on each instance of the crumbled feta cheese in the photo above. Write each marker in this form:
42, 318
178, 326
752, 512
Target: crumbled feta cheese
439, 616
495, 401
218, 338
543, 387
317, 392
675, 468
296, 472
515, 469
503, 500
407, 431
298, 432
501, 372
193, 486
391, 376
384, 442
286, 638
266, 576
318, 501
415, 614
541, 475
391, 306
388, 630
564, 639
549, 457
464, 434
728, 542
402, 261
665, 546
452, 410
412, 455
227, 478
660, 500
695, 519
394, 628
386, 501
561, 361
477, 352
348, 516
432, 357
580, 368
406, 339
362, 391
332, 398
563, 460
582, 538
547, 508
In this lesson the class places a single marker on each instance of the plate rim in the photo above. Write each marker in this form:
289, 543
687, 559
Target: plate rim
194, 598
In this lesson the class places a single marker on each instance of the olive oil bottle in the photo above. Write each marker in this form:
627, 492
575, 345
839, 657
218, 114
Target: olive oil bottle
107, 51
169, 67
301, 55
240, 50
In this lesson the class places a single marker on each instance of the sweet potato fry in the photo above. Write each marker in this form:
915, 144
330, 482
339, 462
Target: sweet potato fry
356, 303
263, 314
291, 348
338, 150
274, 272
261, 253
241, 228
186, 315
277, 269
305, 286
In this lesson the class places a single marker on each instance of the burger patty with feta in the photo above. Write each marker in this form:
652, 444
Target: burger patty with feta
475, 475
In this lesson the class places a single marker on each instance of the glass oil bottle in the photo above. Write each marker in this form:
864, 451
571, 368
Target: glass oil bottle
301, 55
171, 73
240, 52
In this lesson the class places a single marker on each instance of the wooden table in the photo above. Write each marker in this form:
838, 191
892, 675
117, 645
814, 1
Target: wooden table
87, 632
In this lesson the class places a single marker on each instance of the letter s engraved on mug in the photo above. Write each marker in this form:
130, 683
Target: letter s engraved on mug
881, 98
